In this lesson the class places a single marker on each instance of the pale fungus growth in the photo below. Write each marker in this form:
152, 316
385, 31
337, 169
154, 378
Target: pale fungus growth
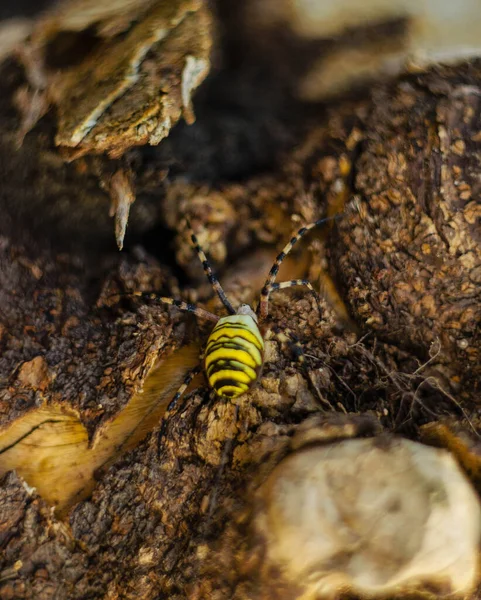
374, 516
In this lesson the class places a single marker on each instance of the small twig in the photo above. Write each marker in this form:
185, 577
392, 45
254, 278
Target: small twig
424, 365
438, 386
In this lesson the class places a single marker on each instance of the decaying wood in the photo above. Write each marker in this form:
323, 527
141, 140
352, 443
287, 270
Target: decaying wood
415, 227
119, 76
86, 373
128, 81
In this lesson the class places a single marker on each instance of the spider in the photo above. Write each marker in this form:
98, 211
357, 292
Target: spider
233, 355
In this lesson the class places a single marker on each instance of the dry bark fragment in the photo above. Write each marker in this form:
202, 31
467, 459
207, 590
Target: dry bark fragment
50, 306
134, 84
122, 195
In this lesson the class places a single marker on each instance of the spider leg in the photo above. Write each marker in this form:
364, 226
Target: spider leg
173, 403
263, 308
180, 304
208, 270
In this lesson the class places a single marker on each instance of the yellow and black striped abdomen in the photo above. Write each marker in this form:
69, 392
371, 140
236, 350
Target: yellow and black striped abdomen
233, 355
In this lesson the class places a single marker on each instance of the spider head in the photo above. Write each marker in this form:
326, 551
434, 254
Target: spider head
245, 309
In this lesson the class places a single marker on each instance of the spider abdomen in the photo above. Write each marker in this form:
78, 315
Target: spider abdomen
233, 355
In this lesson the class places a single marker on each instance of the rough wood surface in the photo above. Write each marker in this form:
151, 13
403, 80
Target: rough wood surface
397, 341
414, 277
